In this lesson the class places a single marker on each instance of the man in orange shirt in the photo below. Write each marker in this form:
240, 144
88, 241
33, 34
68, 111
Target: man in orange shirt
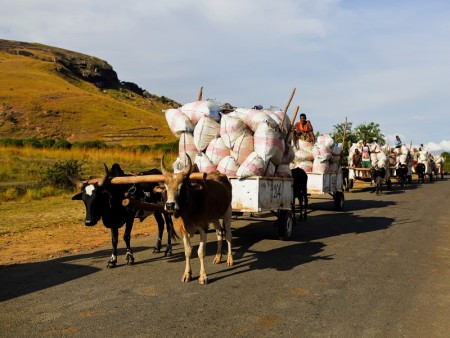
303, 130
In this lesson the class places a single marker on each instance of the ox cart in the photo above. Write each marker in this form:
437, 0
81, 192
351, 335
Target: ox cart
253, 194
258, 194
327, 183
357, 174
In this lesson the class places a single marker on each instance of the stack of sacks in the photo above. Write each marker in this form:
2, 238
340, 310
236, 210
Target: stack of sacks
335, 162
327, 155
245, 142
303, 156
402, 155
322, 157
381, 160
351, 151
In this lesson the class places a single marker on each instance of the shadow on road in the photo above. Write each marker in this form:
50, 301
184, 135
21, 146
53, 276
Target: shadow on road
21, 279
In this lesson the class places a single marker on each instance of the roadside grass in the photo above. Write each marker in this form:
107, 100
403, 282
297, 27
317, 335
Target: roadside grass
22, 168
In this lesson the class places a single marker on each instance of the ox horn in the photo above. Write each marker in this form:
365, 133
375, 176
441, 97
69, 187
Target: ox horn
187, 169
75, 181
103, 179
164, 170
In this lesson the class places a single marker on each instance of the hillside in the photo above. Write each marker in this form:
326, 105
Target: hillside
49, 92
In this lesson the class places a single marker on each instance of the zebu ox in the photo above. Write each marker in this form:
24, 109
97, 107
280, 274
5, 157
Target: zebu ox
377, 174
401, 170
103, 200
199, 203
301, 190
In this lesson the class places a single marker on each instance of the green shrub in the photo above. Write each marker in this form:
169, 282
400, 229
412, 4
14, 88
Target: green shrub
143, 148
32, 142
56, 175
167, 147
47, 143
90, 144
62, 144
12, 142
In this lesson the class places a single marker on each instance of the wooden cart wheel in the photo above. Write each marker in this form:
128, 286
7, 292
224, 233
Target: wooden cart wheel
351, 182
285, 224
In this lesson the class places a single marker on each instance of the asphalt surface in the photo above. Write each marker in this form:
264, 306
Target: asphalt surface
380, 268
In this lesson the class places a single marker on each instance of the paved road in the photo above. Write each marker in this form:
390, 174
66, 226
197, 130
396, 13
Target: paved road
378, 269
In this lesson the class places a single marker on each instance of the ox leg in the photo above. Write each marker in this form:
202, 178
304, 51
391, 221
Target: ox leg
160, 221
112, 263
127, 238
305, 205
219, 234
170, 234
187, 275
228, 236
203, 278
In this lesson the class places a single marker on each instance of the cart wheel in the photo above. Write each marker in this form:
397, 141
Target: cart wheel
339, 200
351, 182
285, 224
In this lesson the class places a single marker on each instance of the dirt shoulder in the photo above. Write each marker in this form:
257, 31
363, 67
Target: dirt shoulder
54, 227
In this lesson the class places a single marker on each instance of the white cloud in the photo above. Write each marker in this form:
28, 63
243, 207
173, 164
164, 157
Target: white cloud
438, 147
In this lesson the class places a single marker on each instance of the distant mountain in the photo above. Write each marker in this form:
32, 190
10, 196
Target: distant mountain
49, 92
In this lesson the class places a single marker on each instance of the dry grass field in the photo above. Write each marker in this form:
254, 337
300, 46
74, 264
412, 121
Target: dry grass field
40, 230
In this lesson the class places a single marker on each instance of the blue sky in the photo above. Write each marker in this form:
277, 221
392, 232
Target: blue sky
386, 62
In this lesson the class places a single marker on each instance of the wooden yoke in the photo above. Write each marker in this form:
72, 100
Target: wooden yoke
145, 179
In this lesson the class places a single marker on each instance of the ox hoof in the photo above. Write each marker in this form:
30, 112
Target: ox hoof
111, 265
130, 259
230, 261
203, 281
217, 259
186, 277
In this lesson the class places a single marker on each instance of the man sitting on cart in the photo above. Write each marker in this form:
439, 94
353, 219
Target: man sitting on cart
303, 130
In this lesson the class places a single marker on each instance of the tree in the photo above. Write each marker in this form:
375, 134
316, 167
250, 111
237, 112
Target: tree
338, 134
368, 132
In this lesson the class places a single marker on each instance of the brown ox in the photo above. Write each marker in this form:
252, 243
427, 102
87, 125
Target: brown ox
199, 203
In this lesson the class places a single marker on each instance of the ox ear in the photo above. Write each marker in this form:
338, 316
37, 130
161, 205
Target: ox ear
196, 185
159, 189
77, 197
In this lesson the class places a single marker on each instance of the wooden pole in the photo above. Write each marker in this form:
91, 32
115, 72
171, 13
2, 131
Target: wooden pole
145, 179
344, 134
287, 107
200, 94
292, 124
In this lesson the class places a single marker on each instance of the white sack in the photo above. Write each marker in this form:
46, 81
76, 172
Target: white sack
206, 130
231, 127
178, 122
252, 166
204, 164
217, 150
196, 110
186, 145
243, 146
228, 166
269, 142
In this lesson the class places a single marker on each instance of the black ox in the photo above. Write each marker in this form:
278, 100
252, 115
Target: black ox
103, 200
300, 190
